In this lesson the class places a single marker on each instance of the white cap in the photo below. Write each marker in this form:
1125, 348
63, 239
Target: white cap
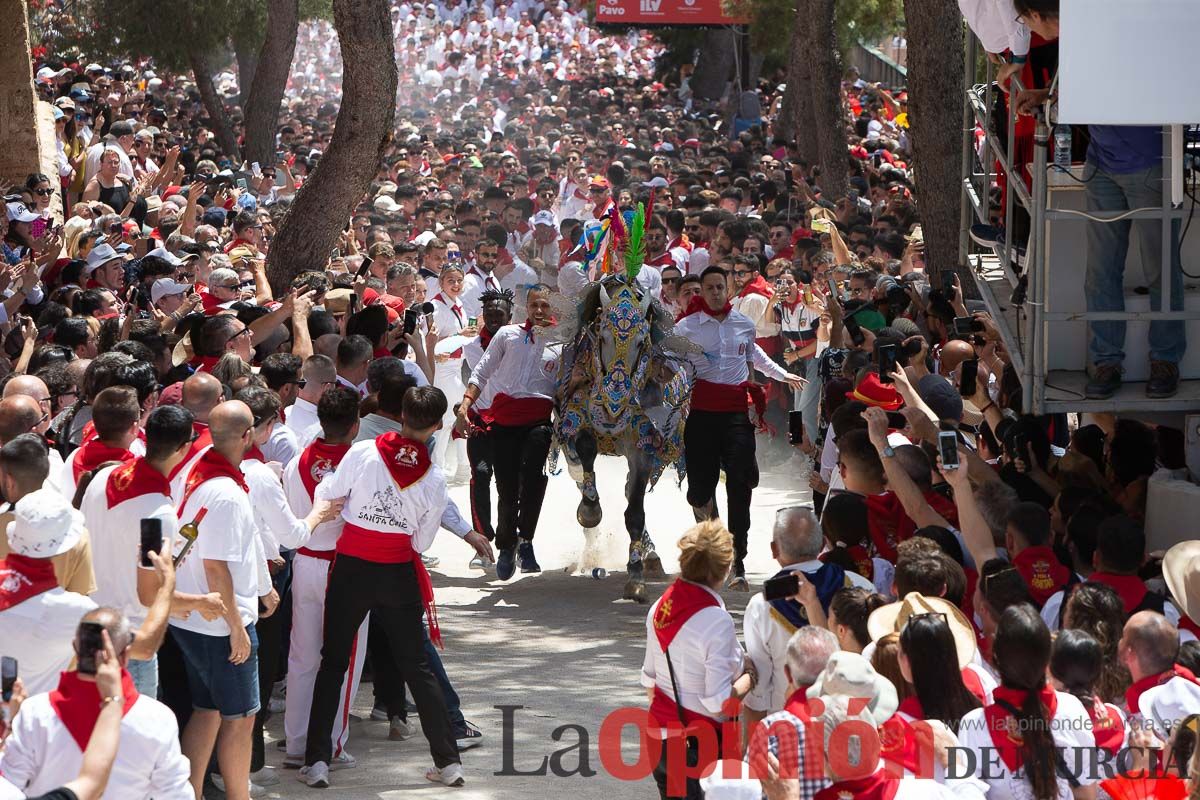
19, 212
657, 182
384, 204
101, 254
44, 525
424, 239
166, 255
164, 287
48, 75
544, 218
93, 67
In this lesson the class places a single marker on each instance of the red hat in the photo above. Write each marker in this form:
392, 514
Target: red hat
874, 393
860, 152
598, 182
692, 143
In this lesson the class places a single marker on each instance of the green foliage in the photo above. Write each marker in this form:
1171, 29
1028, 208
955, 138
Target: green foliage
635, 250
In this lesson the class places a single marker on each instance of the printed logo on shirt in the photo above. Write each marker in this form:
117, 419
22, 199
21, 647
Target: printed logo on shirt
407, 456
12, 582
384, 509
123, 477
321, 468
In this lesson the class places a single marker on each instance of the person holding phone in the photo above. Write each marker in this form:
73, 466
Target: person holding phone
450, 320
52, 732
719, 434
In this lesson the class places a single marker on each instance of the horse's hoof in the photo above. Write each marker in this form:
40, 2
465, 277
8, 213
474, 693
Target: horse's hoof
635, 590
589, 514
652, 566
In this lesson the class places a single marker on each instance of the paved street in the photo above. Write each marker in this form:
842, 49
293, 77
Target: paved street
560, 644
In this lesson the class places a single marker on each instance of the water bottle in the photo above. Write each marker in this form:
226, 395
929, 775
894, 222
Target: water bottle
1062, 147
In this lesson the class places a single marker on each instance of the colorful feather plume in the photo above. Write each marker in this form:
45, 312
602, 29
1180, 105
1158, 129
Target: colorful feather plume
635, 248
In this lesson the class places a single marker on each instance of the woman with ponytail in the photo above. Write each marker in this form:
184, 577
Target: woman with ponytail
1032, 742
1076, 665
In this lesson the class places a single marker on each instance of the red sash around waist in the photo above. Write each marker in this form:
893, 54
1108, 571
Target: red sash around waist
392, 548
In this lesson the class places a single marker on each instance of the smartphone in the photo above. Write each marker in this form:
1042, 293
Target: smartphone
91, 639
820, 226
967, 382
472, 322
151, 541
411, 315
948, 284
8, 677
948, 449
885, 356
782, 587
335, 253
241, 184
965, 326
353, 303
896, 421
365, 268
795, 427
1019, 446
855, 330
256, 170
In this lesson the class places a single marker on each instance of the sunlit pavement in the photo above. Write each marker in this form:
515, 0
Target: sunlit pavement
561, 644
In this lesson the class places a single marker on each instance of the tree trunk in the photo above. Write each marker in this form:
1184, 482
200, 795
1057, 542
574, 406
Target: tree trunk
325, 201
219, 118
796, 110
245, 50
827, 117
270, 80
715, 65
935, 103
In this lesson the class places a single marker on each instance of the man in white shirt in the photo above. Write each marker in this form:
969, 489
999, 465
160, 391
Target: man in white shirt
46, 748
354, 353
394, 499
719, 434
228, 558
37, 617
768, 625
519, 374
317, 375
116, 501
479, 277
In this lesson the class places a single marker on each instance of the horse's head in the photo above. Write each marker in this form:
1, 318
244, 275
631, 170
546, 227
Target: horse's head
623, 338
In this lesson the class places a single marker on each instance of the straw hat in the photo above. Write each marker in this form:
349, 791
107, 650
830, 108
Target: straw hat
848, 674
893, 617
1181, 570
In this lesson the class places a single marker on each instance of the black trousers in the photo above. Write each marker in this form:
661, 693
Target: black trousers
270, 651
712, 441
693, 790
479, 453
391, 594
519, 459
386, 683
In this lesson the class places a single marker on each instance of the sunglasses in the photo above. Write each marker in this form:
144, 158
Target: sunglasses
43, 192
301, 383
671, 280
743, 272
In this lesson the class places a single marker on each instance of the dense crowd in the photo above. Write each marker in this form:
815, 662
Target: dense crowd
288, 449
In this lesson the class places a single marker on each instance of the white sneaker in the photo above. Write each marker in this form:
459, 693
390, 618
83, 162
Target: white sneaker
450, 775
379, 714
430, 561
256, 790
479, 563
267, 776
343, 761
399, 730
316, 776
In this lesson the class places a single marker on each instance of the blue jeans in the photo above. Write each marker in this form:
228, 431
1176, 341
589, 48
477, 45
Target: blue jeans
807, 400
145, 675
1108, 244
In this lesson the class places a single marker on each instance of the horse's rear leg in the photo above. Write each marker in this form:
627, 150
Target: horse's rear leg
643, 561
589, 514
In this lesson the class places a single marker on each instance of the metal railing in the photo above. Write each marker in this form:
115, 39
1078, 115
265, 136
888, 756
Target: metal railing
875, 66
1026, 338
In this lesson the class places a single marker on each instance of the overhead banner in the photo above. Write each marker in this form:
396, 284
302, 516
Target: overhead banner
664, 12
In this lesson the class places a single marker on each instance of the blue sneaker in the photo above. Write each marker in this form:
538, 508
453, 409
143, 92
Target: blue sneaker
525, 555
506, 563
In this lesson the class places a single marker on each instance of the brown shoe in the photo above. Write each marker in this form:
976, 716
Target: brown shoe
1105, 380
1164, 379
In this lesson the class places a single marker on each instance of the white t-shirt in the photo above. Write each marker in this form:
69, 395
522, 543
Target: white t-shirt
1071, 728
116, 534
41, 633
227, 533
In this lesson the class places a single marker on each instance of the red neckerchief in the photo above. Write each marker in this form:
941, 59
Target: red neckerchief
797, 704
381, 352
1008, 742
680, 241
454, 305
680, 602
911, 705
1129, 587
209, 466
1107, 725
93, 454
697, 304
77, 703
877, 786
135, 479
1134, 693
757, 286
318, 460
902, 744
22, 577
204, 363
406, 459
1044, 574
255, 453
203, 439
485, 337
211, 304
